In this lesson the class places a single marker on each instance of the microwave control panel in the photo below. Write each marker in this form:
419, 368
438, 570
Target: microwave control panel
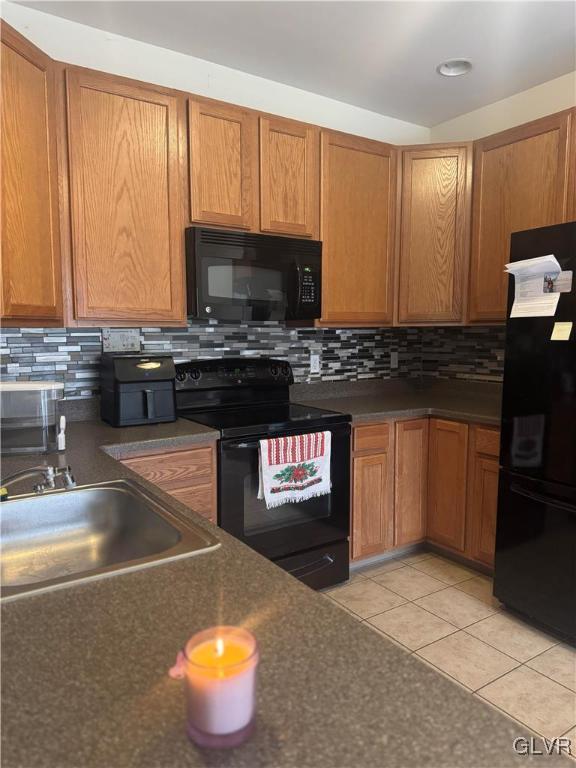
308, 288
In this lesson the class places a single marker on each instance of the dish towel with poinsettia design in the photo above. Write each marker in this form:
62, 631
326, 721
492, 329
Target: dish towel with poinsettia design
294, 468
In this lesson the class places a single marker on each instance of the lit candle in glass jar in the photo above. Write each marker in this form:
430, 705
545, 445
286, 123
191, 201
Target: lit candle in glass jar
220, 676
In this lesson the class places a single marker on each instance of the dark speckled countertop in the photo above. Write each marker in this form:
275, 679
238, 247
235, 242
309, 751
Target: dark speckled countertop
84, 678
477, 402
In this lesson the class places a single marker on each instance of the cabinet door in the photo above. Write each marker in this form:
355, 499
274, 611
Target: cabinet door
435, 234
223, 164
357, 223
482, 494
520, 182
447, 469
289, 177
411, 476
372, 515
31, 279
127, 222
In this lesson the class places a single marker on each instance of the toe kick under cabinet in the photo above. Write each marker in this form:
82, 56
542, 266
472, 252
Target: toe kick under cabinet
427, 479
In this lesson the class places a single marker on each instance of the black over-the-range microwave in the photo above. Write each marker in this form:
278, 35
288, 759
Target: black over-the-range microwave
249, 276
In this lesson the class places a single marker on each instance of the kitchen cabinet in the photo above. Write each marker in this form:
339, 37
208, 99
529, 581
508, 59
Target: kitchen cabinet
410, 481
373, 490
483, 472
31, 269
521, 181
289, 177
189, 476
358, 204
223, 143
434, 234
126, 206
447, 483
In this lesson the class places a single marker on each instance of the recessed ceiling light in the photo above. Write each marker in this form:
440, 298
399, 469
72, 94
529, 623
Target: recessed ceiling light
454, 67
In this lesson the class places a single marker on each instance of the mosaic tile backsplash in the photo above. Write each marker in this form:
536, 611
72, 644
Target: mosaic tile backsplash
72, 355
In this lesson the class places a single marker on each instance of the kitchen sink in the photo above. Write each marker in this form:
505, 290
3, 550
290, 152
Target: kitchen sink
60, 538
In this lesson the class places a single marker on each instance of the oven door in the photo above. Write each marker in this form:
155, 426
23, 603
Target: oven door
289, 528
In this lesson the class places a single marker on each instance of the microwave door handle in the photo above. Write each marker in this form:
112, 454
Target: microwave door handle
150, 409
543, 499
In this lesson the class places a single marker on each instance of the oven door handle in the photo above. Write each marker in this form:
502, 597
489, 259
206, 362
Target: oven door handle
317, 565
243, 445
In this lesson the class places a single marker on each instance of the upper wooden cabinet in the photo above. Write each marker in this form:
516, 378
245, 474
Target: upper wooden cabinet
435, 234
31, 279
410, 481
357, 223
289, 177
521, 181
126, 207
223, 142
447, 483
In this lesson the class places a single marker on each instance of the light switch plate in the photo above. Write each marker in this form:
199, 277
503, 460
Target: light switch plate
314, 363
394, 359
120, 340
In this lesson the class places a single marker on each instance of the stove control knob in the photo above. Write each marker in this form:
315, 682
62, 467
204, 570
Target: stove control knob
195, 374
274, 369
181, 376
286, 370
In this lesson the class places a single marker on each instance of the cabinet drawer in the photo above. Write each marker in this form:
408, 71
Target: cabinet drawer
372, 437
488, 441
200, 498
181, 469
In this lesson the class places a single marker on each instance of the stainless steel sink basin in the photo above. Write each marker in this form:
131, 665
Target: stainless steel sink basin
63, 537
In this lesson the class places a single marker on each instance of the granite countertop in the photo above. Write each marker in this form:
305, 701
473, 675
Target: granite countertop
84, 668
408, 399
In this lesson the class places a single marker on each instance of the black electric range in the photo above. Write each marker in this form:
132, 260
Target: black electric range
247, 400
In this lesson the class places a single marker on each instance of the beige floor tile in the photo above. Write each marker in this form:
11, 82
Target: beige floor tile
511, 636
412, 626
366, 598
456, 607
468, 660
384, 636
571, 734
481, 588
416, 557
380, 568
541, 704
343, 608
441, 673
558, 663
409, 583
450, 573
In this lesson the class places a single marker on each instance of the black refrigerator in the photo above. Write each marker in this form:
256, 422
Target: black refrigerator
535, 566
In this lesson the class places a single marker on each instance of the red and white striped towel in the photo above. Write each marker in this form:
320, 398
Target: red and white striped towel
295, 468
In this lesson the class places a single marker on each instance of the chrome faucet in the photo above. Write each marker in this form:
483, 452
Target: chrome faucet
48, 474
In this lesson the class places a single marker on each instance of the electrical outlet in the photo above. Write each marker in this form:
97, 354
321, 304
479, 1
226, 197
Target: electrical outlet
314, 363
393, 359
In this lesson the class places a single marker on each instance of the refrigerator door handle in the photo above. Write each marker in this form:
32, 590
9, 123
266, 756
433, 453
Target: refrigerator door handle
542, 499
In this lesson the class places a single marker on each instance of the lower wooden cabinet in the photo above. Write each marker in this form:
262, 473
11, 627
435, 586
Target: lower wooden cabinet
373, 494
425, 480
189, 476
411, 473
447, 476
482, 494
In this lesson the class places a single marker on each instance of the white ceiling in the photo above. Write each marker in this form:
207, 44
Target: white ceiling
377, 55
